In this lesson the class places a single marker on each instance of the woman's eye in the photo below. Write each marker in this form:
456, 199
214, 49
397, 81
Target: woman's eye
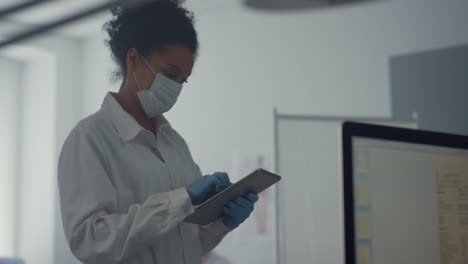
171, 75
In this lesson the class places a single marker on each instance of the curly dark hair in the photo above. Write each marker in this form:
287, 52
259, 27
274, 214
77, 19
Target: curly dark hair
148, 27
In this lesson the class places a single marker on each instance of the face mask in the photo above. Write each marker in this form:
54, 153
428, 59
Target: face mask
162, 95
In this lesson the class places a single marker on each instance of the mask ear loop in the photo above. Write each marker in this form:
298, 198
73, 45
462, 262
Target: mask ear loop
136, 80
149, 66
126, 83
134, 74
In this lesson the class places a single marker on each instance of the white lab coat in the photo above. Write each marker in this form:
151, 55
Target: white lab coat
123, 196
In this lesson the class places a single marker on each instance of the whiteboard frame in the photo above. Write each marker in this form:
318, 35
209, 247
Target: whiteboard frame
277, 116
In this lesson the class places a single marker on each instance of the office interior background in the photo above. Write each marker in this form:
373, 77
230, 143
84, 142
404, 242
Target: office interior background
340, 60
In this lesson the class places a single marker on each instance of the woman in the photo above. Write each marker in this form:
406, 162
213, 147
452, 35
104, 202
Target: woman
126, 178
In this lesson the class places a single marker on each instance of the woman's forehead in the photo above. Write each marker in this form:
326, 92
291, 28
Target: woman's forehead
176, 56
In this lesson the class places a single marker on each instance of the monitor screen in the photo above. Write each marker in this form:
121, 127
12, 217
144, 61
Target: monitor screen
410, 202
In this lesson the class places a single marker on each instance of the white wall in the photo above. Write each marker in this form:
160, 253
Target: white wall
37, 162
96, 74
68, 104
30, 119
50, 105
326, 62
10, 72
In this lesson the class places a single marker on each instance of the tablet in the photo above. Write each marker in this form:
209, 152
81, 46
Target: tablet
212, 209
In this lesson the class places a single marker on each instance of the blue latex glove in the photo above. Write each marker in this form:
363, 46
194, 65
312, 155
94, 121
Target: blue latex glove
207, 186
236, 211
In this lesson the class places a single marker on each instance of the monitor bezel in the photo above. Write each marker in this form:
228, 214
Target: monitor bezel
351, 130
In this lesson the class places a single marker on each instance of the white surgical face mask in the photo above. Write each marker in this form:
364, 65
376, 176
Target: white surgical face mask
162, 95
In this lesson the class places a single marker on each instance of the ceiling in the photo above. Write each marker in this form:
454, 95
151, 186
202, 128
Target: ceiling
53, 10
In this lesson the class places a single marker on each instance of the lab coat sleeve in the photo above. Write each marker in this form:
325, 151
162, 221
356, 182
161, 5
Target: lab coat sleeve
212, 234
95, 233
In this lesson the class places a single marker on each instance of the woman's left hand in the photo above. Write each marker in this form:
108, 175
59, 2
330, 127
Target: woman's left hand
238, 210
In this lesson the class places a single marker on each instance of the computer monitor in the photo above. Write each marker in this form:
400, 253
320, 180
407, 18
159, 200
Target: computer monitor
406, 196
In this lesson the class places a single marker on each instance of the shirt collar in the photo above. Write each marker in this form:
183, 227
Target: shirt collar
127, 127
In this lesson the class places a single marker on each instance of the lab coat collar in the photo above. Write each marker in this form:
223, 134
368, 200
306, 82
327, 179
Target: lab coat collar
127, 127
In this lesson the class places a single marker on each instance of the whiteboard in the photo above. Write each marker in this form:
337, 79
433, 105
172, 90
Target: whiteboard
310, 196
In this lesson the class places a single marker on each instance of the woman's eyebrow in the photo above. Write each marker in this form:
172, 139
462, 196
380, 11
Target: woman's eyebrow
175, 66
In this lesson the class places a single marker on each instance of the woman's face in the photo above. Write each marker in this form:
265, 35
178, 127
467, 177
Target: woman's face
174, 61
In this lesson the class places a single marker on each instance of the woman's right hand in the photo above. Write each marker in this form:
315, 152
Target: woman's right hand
207, 186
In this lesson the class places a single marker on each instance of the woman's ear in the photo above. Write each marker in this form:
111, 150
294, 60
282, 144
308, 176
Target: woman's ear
132, 59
